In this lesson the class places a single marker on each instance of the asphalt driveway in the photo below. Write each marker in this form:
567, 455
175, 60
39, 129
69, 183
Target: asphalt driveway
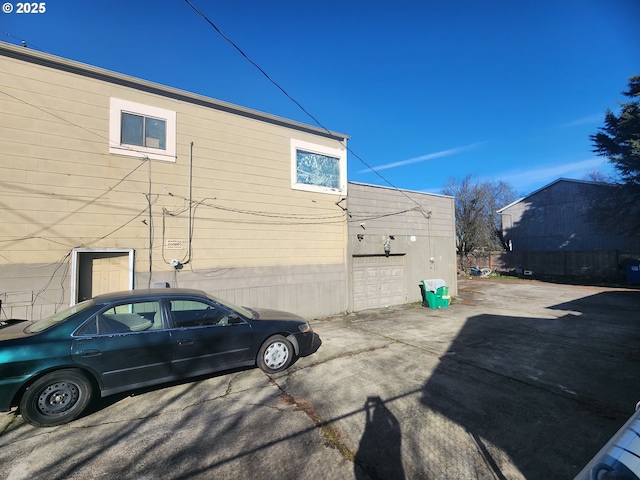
517, 379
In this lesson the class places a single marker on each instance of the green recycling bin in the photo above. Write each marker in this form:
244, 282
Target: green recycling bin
434, 299
439, 299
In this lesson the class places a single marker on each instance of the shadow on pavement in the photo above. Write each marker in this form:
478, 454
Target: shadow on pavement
547, 392
379, 452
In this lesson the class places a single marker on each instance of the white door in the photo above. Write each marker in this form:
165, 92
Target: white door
110, 274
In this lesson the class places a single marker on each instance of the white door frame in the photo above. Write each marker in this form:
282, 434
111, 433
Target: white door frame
75, 254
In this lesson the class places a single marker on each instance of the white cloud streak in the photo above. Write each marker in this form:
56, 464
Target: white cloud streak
546, 174
589, 120
424, 158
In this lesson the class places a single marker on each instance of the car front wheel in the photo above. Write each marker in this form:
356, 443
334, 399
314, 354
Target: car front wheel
275, 355
56, 398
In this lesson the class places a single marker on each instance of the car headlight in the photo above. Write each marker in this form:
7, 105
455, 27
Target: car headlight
305, 327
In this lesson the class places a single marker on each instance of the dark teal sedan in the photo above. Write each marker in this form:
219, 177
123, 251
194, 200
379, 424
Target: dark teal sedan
116, 342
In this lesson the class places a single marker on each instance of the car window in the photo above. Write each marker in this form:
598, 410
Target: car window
124, 318
194, 313
59, 317
246, 312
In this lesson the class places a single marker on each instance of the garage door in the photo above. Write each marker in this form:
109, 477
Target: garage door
378, 281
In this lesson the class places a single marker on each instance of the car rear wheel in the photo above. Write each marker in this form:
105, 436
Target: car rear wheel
275, 355
56, 398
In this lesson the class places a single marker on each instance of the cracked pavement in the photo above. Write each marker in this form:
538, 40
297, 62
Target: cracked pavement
517, 379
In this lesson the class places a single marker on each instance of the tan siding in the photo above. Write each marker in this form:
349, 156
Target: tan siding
67, 191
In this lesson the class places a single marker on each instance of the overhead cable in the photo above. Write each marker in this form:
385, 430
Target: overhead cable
279, 87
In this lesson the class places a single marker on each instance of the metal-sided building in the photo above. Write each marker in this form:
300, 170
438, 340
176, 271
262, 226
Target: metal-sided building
558, 217
554, 231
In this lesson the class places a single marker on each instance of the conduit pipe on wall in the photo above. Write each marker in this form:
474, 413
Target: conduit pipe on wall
190, 233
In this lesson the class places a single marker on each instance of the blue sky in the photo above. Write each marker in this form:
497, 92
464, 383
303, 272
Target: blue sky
427, 90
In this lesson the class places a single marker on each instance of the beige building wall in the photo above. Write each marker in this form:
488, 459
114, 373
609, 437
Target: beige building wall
225, 208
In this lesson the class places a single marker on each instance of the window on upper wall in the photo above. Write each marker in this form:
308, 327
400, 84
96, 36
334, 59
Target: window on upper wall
144, 131
140, 130
317, 168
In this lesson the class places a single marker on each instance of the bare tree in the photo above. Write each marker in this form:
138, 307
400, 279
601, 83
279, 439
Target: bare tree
598, 177
477, 222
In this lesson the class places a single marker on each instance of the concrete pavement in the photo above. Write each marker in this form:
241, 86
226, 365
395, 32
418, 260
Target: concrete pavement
517, 379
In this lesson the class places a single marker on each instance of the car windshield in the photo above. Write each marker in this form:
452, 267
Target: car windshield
56, 318
245, 312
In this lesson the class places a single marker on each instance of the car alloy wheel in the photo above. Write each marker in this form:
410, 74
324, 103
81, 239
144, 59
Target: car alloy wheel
275, 355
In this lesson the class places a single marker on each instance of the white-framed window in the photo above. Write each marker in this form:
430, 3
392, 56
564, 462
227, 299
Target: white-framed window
317, 168
140, 130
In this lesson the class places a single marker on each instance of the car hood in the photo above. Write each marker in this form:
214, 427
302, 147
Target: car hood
268, 314
13, 329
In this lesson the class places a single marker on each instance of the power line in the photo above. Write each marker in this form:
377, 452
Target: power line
66, 120
279, 87
256, 65
25, 43
257, 213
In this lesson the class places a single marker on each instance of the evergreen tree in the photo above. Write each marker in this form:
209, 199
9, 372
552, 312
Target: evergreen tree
619, 141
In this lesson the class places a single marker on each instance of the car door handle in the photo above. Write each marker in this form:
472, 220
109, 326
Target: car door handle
186, 342
90, 353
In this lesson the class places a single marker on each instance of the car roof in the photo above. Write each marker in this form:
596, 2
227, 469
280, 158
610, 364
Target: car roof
152, 292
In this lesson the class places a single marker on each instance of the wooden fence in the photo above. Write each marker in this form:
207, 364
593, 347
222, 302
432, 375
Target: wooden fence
606, 265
